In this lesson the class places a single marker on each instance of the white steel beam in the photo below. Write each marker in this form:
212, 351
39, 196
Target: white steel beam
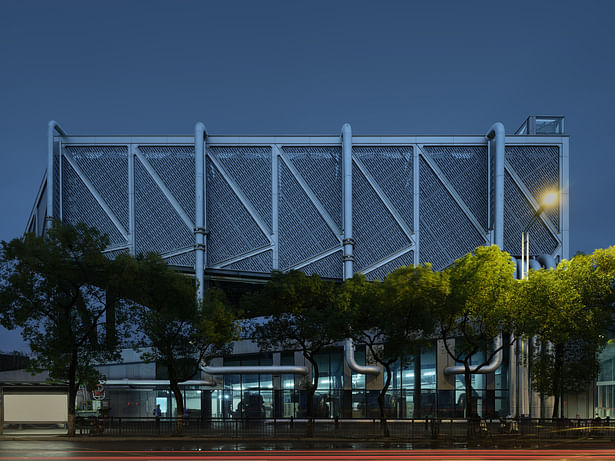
388, 259
451, 190
179, 251
96, 195
416, 202
275, 204
384, 199
165, 191
264, 228
321, 209
317, 257
131, 199
242, 256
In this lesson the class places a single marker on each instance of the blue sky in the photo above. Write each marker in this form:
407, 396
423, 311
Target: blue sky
247, 67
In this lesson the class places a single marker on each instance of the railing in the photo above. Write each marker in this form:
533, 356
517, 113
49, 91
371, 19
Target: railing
411, 430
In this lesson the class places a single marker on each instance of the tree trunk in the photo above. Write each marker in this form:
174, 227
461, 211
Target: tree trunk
470, 417
310, 400
179, 401
72, 393
417, 386
385, 388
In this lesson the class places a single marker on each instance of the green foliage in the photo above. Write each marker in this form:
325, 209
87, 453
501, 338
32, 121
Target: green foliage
301, 314
176, 332
60, 289
476, 311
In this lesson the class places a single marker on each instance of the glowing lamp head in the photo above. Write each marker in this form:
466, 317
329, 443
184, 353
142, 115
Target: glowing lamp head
549, 199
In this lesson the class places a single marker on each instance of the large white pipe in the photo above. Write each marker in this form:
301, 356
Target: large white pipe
547, 261
497, 134
52, 127
495, 363
347, 241
258, 370
200, 135
354, 366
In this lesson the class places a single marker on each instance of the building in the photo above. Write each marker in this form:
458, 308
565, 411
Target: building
231, 209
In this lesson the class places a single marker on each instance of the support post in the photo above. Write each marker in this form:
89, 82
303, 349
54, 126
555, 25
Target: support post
348, 241
52, 127
497, 135
200, 135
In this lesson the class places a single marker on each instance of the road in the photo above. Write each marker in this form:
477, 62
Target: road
194, 450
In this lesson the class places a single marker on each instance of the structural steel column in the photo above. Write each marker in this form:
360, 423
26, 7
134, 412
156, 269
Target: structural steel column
348, 241
52, 127
200, 135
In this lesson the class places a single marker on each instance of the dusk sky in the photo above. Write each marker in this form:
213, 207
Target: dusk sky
261, 67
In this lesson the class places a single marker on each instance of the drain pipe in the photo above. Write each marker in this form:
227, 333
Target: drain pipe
354, 366
200, 136
257, 370
497, 134
52, 127
156, 382
347, 241
495, 363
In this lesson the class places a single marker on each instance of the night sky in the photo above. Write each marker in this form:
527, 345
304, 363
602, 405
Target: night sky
259, 67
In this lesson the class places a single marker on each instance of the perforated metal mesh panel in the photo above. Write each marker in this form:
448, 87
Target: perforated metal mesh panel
446, 233
330, 266
321, 168
517, 214
175, 166
250, 169
183, 260
232, 231
79, 205
262, 262
391, 167
158, 227
106, 167
465, 167
380, 273
303, 232
376, 233
538, 168
56, 181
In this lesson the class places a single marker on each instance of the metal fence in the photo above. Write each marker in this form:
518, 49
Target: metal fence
411, 430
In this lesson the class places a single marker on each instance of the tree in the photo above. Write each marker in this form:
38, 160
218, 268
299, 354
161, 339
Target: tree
59, 288
569, 311
393, 318
178, 333
301, 314
475, 311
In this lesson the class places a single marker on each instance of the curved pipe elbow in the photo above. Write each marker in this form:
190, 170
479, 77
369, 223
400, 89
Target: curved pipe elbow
495, 363
547, 261
354, 366
54, 126
257, 370
199, 130
497, 130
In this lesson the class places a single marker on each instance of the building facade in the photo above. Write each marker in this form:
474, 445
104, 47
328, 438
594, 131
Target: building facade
230, 209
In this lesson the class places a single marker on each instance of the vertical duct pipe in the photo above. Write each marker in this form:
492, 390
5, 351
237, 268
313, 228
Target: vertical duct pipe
52, 127
200, 134
497, 134
348, 241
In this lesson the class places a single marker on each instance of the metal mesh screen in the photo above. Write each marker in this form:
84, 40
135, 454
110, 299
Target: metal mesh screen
376, 233
56, 181
183, 260
538, 168
446, 233
232, 231
517, 214
158, 227
321, 168
79, 205
381, 272
303, 233
330, 266
465, 167
250, 168
106, 167
262, 262
392, 169
175, 166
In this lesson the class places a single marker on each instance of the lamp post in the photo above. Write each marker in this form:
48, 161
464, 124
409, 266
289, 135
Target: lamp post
523, 347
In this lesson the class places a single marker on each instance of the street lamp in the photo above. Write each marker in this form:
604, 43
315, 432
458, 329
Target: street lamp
549, 199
